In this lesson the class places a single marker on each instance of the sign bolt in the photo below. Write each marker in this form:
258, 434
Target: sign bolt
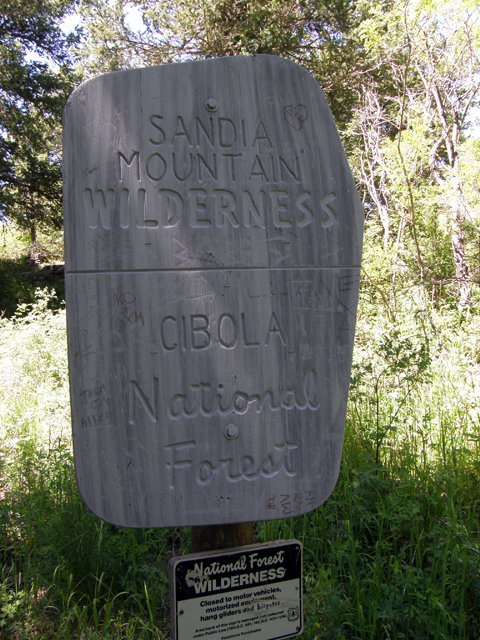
211, 104
231, 432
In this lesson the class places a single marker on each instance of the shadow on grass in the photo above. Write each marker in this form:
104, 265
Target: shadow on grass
20, 277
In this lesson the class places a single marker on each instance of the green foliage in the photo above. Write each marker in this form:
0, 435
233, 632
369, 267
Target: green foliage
34, 371
21, 278
401, 80
26, 268
32, 96
61, 567
383, 381
316, 34
387, 557
407, 143
393, 553
175, 30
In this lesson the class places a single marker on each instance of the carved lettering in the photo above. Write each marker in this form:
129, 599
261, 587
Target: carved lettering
156, 167
221, 130
86, 348
247, 468
98, 204
261, 134
257, 169
212, 170
94, 392
124, 299
180, 446
129, 161
274, 330
227, 331
150, 406
285, 504
188, 172
254, 212
307, 214
180, 130
100, 404
225, 205
222, 331
128, 315
233, 157
284, 165
274, 173
171, 205
198, 208
279, 208
97, 420
240, 145
208, 134
295, 115
200, 334
246, 343
141, 219
227, 132
199, 401
168, 342
153, 121
328, 210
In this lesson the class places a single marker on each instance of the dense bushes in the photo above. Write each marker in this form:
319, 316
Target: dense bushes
393, 553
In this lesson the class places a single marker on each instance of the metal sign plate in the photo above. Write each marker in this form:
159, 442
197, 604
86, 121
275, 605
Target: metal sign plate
253, 591
213, 242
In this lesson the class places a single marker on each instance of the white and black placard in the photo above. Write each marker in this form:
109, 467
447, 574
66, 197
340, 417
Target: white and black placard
253, 591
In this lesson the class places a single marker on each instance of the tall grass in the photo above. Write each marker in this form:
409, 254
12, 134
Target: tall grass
63, 572
394, 553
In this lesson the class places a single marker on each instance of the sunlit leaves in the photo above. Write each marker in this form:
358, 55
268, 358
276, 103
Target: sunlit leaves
34, 83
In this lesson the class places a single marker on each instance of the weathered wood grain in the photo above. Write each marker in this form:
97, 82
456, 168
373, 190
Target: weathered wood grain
213, 243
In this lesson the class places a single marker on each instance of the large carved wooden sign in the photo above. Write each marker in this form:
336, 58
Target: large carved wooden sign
213, 241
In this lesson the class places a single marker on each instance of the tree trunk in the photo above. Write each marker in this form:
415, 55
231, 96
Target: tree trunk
461, 267
457, 240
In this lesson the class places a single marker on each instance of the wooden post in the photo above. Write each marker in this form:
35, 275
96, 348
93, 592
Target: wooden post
221, 536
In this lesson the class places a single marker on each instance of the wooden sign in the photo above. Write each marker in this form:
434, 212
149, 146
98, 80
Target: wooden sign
213, 242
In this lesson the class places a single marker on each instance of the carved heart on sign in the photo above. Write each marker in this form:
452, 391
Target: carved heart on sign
295, 116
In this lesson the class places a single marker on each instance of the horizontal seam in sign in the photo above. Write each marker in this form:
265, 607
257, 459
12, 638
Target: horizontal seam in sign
109, 272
